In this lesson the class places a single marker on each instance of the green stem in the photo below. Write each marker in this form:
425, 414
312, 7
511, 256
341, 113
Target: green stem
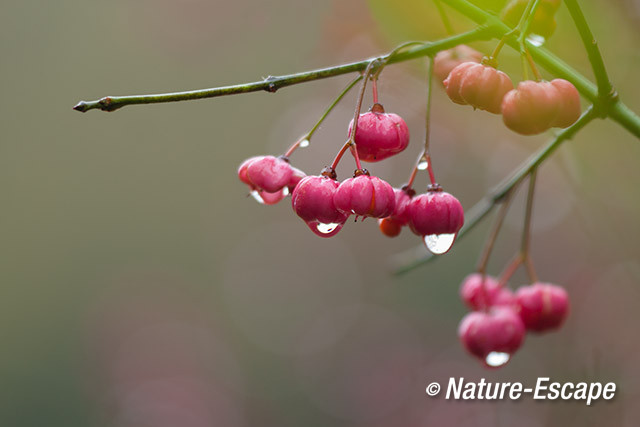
408, 261
605, 89
523, 26
443, 16
273, 83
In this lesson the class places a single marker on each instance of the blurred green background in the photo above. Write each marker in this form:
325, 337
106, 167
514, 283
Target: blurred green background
141, 287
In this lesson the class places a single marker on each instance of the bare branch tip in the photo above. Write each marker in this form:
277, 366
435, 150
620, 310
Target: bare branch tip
81, 106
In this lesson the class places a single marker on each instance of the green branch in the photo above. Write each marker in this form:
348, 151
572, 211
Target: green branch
605, 89
273, 83
409, 260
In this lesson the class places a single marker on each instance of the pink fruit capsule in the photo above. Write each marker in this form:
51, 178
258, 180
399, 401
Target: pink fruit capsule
478, 85
477, 298
312, 201
269, 173
492, 336
531, 108
365, 196
379, 134
542, 306
447, 60
435, 212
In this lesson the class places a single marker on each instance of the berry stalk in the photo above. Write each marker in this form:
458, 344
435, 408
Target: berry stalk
526, 229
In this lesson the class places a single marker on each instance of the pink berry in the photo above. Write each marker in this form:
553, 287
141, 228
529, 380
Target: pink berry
242, 171
478, 85
569, 108
365, 196
435, 212
269, 173
492, 336
473, 295
312, 200
531, 108
403, 198
392, 225
296, 177
542, 306
379, 134
447, 60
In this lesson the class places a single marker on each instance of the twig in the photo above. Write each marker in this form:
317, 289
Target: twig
273, 83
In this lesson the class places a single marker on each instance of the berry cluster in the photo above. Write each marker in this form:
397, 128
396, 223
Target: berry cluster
496, 327
325, 204
531, 108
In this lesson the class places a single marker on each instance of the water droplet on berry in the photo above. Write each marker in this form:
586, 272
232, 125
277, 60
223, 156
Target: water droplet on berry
536, 39
439, 244
304, 143
495, 359
325, 230
257, 197
423, 165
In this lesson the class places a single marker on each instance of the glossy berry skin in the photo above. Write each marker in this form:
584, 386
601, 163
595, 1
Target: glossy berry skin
269, 173
447, 60
296, 177
242, 171
475, 298
534, 107
312, 200
435, 212
391, 226
478, 85
262, 196
569, 108
365, 196
531, 108
542, 306
498, 330
380, 135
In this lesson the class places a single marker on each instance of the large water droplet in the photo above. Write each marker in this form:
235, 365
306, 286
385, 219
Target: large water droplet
439, 244
496, 359
325, 230
304, 143
423, 165
257, 196
536, 39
